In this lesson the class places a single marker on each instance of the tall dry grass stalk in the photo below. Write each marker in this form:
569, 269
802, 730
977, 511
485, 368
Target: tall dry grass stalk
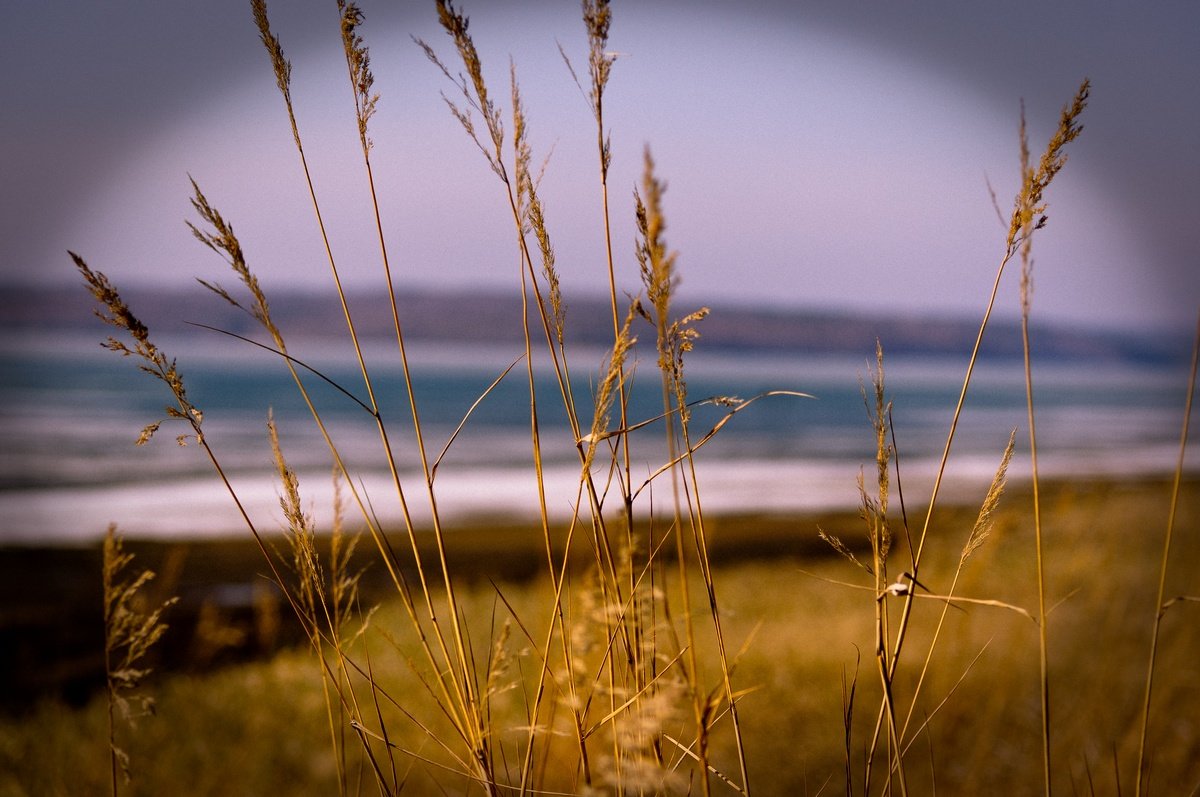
115, 311
675, 338
444, 642
1028, 215
874, 511
597, 18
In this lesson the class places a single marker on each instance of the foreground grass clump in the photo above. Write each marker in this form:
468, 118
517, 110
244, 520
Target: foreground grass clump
633, 664
263, 721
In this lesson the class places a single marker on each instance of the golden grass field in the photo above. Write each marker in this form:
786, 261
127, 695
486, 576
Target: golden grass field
260, 727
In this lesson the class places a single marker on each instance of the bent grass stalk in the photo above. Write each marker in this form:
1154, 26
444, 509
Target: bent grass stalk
114, 311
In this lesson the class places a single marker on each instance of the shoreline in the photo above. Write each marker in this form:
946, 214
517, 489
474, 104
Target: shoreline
194, 510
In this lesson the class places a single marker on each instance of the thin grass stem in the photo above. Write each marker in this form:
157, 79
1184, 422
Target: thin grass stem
1162, 576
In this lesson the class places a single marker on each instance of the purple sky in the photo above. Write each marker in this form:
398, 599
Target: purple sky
828, 155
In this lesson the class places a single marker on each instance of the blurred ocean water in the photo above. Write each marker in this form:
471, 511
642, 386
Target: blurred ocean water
70, 411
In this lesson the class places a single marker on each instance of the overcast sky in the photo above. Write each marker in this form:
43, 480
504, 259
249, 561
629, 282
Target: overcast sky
818, 154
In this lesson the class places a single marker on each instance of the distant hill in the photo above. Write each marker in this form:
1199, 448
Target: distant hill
467, 317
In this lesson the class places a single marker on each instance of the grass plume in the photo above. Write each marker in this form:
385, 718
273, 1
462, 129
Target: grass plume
130, 630
1030, 203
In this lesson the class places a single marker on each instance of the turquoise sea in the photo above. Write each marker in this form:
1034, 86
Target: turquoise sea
70, 412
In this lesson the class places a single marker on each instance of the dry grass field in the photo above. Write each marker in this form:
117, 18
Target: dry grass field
265, 722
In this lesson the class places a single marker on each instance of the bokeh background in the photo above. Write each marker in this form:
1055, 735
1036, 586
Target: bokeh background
818, 154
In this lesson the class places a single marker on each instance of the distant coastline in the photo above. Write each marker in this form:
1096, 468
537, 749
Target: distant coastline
471, 316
